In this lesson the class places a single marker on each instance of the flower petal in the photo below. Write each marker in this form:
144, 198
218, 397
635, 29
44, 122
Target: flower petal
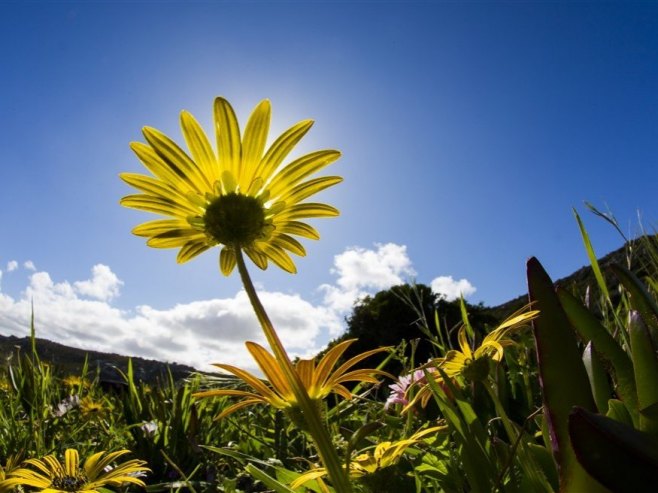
229, 148
300, 169
253, 142
281, 148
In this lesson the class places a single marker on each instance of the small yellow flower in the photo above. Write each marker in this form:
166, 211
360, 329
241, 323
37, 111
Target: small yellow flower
384, 455
472, 364
240, 196
92, 409
319, 380
48, 475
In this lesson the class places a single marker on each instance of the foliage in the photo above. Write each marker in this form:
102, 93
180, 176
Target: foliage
562, 405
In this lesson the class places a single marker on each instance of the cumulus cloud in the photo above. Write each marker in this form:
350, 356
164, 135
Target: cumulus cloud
29, 265
12, 265
450, 289
82, 313
104, 284
197, 333
361, 272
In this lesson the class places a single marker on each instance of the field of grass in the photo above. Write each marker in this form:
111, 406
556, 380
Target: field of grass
562, 396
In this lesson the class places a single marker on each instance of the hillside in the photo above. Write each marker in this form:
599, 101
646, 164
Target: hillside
69, 360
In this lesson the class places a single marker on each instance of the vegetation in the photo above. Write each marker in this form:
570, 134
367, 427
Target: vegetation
560, 400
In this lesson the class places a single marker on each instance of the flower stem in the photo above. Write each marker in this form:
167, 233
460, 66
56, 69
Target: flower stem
310, 412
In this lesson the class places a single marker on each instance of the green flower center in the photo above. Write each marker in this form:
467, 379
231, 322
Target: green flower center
235, 219
69, 483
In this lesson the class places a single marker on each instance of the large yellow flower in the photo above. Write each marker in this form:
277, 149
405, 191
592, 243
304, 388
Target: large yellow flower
319, 380
50, 476
237, 197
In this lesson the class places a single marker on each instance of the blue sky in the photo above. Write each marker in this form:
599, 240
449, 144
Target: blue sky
468, 132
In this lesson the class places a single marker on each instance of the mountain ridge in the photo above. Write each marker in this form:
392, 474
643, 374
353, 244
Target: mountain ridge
70, 360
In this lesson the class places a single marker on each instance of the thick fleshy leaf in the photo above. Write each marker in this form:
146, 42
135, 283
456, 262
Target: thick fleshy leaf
300, 169
640, 299
598, 378
229, 147
562, 376
589, 328
645, 365
617, 455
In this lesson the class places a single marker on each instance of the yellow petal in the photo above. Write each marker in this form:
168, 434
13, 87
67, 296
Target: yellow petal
280, 258
299, 229
300, 169
191, 250
199, 146
227, 261
281, 148
71, 462
289, 243
227, 129
329, 360
258, 258
158, 205
271, 369
307, 210
308, 188
176, 159
253, 142
154, 228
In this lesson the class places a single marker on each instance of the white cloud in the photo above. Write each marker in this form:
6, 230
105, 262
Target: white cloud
12, 265
361, 272
104, 284
81, 313
450, 289
29, 265
197, 333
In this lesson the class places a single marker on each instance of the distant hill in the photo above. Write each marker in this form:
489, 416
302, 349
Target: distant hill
640, 260
68, 360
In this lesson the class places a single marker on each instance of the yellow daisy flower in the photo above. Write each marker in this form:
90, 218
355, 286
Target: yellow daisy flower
240, 196
319, 380
469, 363
385, 454
50, 476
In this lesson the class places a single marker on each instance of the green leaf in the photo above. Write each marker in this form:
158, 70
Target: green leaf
646, 372
592, 257
562, 375
268, 480
641, 300
598, 378
619, 456
590, 329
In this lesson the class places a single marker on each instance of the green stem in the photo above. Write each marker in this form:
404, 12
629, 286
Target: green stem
310, 413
